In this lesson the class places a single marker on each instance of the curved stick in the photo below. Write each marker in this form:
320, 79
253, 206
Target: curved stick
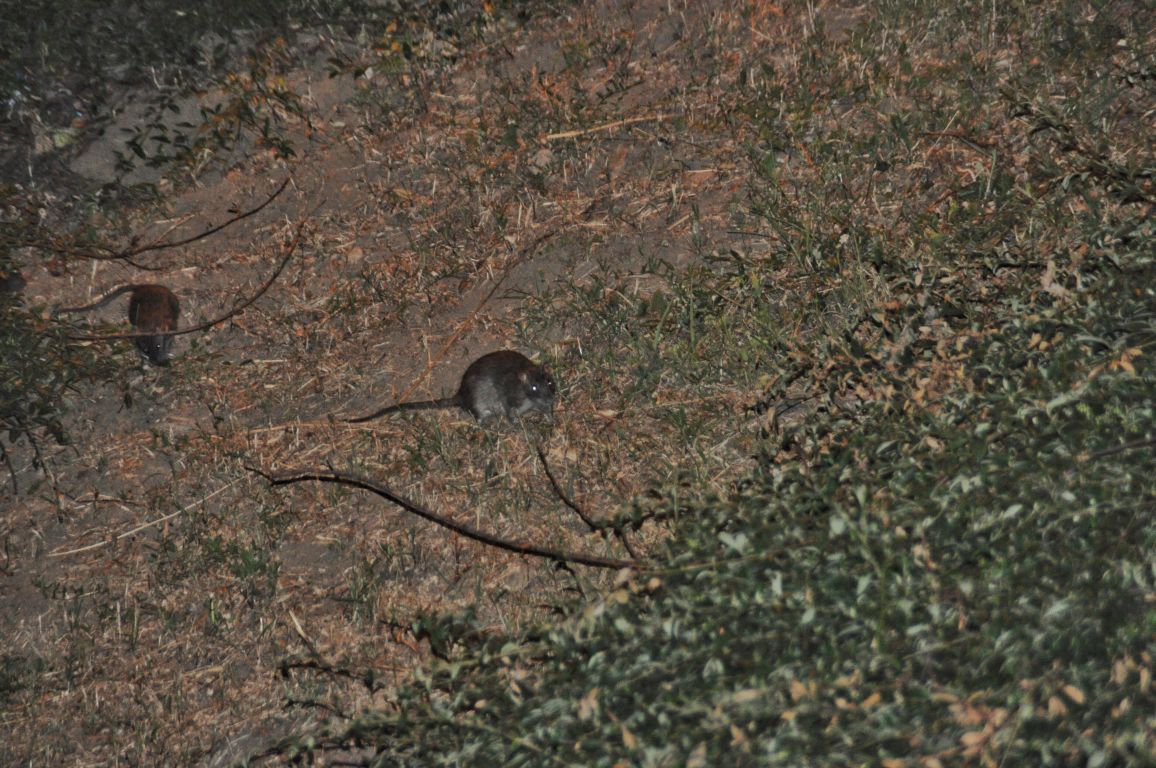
156, 246
217, 320
126, 254
343, 478
594, 526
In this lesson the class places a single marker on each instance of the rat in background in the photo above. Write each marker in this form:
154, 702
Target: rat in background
151, 308
505, 383
11, 281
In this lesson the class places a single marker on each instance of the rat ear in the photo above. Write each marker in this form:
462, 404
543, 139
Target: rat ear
523, 376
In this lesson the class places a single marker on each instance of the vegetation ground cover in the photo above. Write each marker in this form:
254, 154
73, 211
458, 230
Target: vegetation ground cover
957, 569
852, 311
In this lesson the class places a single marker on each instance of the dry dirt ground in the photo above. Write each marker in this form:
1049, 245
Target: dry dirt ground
160, 603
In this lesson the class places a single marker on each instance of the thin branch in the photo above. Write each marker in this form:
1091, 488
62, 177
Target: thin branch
304, 637
155, 246
292, 702
126, 254
595, 527
217, 320
142, 526
11, 469
344, 478
977, 144
605, 127
1142, 443
368, 678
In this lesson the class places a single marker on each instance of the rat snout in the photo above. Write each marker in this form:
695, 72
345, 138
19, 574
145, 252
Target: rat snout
158, 349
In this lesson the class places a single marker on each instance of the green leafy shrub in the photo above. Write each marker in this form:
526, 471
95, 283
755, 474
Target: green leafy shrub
38, 365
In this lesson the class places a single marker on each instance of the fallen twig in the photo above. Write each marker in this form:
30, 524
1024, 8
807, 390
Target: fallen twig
217, 320
605, 127
142, 526
343, 478
156, 246
126, 254
595, 527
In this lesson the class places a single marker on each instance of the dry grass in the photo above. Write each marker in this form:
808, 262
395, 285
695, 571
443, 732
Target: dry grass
155, 589
614, 189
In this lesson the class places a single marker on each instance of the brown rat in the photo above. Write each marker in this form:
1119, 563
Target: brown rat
150, 308
11, 281
505, 383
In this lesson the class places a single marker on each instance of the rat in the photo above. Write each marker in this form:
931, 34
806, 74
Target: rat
505, 383
150, 308
11, 281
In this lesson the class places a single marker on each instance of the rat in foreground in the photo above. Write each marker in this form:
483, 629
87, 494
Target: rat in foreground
150, 308
504, 383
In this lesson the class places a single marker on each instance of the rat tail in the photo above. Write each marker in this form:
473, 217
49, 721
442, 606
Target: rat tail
419, 405
102, 300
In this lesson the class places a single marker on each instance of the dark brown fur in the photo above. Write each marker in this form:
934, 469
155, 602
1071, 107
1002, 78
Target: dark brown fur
11, 281
150, 308
505, 383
